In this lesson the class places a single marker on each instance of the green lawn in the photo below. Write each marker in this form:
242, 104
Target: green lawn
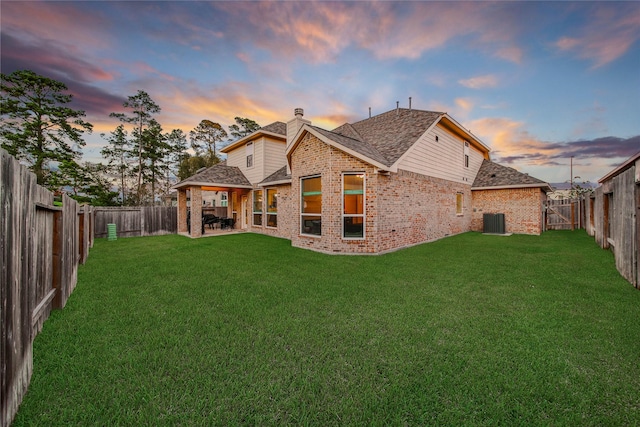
244, 329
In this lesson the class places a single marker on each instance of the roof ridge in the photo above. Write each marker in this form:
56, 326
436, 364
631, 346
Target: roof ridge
398, 110
351, 128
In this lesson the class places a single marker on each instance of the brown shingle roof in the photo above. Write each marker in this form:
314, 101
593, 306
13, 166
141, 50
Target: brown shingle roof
219, 174
276, 127
277, 176
494, 175
387, 136
361, 147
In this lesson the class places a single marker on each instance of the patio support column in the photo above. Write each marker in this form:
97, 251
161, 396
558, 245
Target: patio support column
182, 210
196, 211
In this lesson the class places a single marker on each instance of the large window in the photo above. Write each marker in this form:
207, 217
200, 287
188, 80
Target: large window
353, 206
257, 207
311, 206
272, 207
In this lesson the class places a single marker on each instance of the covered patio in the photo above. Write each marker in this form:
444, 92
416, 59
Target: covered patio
196, 220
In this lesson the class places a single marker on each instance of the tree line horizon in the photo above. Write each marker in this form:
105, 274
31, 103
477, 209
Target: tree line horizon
143, 160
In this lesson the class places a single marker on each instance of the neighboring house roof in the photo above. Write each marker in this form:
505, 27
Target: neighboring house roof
278, 177
623, 167
219, 175
383, 139
275, 129
493, 176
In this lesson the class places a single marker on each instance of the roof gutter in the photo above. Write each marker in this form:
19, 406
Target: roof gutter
279, 182
546, 187
208, 184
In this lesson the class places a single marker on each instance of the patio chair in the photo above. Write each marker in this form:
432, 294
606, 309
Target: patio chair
227, 223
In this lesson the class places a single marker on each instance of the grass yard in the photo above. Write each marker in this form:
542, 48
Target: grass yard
244, 329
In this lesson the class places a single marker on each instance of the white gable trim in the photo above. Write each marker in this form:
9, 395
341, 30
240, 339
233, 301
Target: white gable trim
250, 137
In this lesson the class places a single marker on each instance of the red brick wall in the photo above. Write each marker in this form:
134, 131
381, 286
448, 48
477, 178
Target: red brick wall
416, 208
402, 209
522, 208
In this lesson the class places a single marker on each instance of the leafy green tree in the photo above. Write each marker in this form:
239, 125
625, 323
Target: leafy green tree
117, 155
243, 127
141, 117
205, 137
177, 142
190, 165
37, 126
85, 183
99, 187
155, 151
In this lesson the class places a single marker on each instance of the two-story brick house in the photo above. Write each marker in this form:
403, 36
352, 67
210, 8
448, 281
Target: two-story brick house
394, 180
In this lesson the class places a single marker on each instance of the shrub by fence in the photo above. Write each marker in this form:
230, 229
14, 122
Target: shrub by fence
41, 246
137, 221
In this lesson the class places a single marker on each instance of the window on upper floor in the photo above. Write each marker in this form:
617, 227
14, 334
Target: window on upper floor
249, 154
353, 203
311, 206
466, 154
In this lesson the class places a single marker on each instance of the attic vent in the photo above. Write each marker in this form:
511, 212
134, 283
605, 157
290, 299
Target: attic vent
493, 175
436, 138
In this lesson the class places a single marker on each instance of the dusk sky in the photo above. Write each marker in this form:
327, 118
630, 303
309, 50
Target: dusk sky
536, 82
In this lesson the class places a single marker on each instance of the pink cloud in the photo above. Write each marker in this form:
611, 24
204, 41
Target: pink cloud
610, 33
480, 82
320, 31
60, 23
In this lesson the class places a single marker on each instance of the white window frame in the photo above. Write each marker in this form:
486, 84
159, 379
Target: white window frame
253, 207
363, 215
302, 214
266, 211
224, 199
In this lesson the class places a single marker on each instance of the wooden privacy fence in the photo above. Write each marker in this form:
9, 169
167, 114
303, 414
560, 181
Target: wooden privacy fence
564, 214
41, 246
137, 220
613, 219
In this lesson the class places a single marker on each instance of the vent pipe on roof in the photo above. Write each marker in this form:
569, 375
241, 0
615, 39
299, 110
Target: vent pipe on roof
369, 112
409, 103
397, 108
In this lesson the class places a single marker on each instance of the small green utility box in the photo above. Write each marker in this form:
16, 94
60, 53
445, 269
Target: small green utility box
111, 232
